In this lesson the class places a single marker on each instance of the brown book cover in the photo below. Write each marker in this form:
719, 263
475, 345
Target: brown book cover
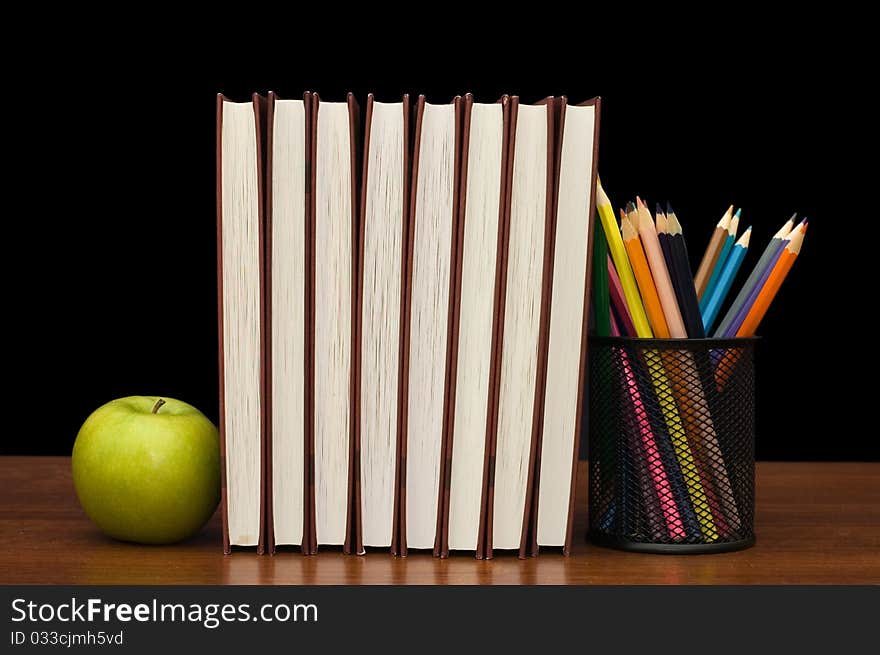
359, 320
560, 111
542, 330
406, 316
488, 464
268, 395
352, 537
259, 105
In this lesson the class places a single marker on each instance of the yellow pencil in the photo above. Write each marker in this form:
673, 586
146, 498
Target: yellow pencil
659, 380
621, 263
678, 436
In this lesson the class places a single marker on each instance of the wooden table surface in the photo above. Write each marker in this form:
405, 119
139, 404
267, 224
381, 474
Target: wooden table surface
817, 523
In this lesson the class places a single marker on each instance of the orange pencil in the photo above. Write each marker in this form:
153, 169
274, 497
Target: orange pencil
643, 277
768, 291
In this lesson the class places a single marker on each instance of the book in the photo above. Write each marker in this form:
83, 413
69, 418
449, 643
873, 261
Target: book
399, 332
479, 259
570, 267
288, 127
522, 330
241, 304
429, 306
332, 308
382, 234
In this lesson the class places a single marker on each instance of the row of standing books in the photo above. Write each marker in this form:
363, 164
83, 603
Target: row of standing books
402, 317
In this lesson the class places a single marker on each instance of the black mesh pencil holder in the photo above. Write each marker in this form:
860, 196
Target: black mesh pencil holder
672, 444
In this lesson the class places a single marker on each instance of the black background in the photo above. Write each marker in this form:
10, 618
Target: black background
114, 279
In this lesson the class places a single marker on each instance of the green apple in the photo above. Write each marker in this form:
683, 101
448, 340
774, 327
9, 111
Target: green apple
147, 469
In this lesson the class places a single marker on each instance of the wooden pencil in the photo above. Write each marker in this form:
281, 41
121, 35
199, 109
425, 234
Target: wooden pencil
704, 270
601, 299
683, 279
698, 508
774, 282
668, 392
618, 302
722, 287
650, 461
766, 289
662, 228
672, 495
692, 397
680, 437
726, 329
660, 275
762, 280
643, 277
726, 249
621, 263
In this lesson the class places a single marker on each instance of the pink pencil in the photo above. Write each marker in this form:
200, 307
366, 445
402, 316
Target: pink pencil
655, 466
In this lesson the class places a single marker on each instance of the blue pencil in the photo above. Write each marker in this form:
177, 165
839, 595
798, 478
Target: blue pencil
726, 248
725, 280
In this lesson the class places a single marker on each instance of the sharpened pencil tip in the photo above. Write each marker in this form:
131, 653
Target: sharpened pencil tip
658, 209
669, 209
745, 237
793, 217
639, 202
738, 212
630, 207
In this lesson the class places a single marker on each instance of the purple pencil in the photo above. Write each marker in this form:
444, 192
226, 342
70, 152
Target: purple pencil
740, 316
769, 252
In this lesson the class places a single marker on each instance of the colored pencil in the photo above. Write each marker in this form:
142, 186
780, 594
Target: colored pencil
697, 419
678, 435
725, 281
672, 418
601, 299
675, 453
775, 246
652, 460
765, 291
769, 253
726, 249
698, 508
618, 302
660, 275
623, 326
621, 263
692, 397
712, 250
661, 225
689, 395
683, 279
643, 277
737, 321
774, 282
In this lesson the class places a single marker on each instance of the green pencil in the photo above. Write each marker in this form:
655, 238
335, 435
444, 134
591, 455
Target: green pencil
601, 297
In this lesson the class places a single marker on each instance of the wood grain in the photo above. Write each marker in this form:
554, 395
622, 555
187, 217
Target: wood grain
817, 523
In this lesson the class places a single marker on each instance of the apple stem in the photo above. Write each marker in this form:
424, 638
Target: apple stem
158, 404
